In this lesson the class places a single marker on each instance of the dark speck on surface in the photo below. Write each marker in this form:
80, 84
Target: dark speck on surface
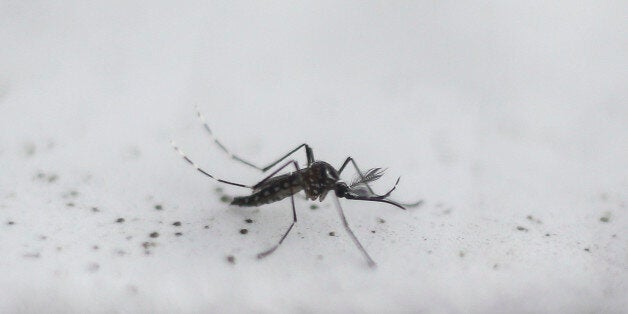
132, 289
313, 206
231, 259
547, 234
32, 255
248, 220
158, 207
178, 234
95, 209
29, 149
71, 194
43, 177
606, 217
225, 199
244, 231
332, 234
206, 227
587, 249
381, 220
95, 247
372, 231
120, 220
93, 267
154, 235
10, 223
70, 204
520, 228
533, 219
147, 245
176, 223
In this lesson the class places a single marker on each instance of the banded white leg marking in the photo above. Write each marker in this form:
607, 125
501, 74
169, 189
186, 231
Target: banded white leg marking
219, 144
203, 171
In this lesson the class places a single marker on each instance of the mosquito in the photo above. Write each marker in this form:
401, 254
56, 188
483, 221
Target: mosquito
316, 180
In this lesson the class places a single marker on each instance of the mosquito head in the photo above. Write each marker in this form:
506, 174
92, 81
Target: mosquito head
341, 188
361, 193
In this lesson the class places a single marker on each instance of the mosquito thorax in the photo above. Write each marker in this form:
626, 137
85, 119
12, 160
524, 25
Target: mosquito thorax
325, 171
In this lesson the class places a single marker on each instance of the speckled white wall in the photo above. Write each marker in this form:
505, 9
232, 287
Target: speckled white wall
508, 119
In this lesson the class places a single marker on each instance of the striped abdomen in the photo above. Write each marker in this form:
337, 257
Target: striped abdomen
275, 189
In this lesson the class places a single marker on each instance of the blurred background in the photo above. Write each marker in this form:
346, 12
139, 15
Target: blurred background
508, 119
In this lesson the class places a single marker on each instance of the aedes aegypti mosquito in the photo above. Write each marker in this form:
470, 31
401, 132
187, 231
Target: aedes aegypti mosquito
315, 180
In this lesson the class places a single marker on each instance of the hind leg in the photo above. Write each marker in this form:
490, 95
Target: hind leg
308, 151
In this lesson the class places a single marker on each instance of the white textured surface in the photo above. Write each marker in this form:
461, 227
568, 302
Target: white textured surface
510, 121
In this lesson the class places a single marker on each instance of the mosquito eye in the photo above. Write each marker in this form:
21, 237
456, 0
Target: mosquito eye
341, 190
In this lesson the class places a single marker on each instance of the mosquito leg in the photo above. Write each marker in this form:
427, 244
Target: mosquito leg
203, 171
357, 169
294, 212
355, 240
219, 144
294, 220
294, 162
308, 150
